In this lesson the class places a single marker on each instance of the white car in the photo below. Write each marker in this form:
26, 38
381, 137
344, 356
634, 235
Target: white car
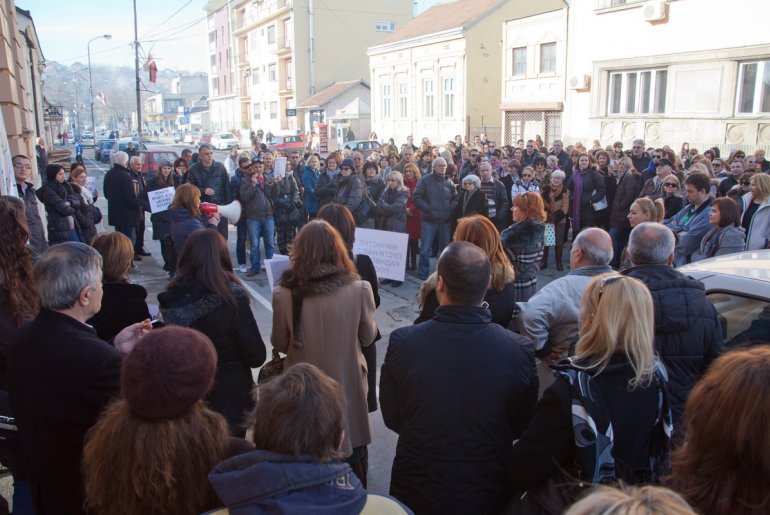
87, 139
739, 287
223, 141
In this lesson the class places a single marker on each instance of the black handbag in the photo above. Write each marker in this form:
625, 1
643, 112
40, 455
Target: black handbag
271, 369
97, 214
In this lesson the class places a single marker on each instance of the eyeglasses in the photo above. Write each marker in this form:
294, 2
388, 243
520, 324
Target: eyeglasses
22, 165
657, 157
345, 168
608, 280
745, 183
716, 165
670, 185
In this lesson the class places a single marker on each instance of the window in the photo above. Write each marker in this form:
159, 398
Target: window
403, 100
520, 61
449, 97
637, 92
385, 26
273, 110
548, 58
288, 69
271, 34
754, 88
255, 76
256, 111
272, 76
386, 100
743, 319
428, 98
253, 40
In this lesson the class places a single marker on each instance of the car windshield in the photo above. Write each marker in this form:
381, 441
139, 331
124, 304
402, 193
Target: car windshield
226, 136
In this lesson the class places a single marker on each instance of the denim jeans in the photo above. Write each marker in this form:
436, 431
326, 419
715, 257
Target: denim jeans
128, 230
241, 233
619, 241
428, 232
265, 229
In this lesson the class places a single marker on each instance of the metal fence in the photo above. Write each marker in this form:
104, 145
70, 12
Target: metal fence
530, 124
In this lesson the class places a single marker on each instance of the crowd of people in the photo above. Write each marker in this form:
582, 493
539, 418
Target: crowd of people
118, 414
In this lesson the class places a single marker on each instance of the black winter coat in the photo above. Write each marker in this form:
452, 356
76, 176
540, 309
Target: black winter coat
392, 209
161, 221
458, 390
548, 444
123, 208
236, 339
84, 216
36, 232
183, 224
61, 377
215, 177
594, 189
471, 203
123, 304
688, 335
60, 202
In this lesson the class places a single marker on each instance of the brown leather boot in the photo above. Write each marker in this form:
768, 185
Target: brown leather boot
558, 251
544, 261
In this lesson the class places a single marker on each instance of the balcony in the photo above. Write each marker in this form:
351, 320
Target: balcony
283, 48
286, 87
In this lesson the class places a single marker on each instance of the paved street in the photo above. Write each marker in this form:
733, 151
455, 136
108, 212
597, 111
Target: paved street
398, 308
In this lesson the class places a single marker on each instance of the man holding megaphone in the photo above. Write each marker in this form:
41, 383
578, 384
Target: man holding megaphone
258, 193
212, 180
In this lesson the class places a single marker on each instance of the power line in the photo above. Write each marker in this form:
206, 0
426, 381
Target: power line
147, 34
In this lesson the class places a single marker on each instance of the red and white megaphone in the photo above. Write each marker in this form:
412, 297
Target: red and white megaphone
231, 211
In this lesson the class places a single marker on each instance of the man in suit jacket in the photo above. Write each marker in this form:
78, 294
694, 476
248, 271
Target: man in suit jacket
122, 194
458, 389
61, 375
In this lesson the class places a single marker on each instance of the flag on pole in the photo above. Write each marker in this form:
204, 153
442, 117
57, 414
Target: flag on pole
153, 68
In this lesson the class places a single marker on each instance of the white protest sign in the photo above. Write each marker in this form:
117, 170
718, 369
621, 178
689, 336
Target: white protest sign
161, 199
386, 249
280, 166
274, 268
91, 185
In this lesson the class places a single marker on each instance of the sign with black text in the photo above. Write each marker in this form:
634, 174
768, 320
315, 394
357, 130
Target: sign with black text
386, 249
160, 200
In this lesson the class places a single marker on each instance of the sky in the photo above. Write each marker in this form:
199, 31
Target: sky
172, 30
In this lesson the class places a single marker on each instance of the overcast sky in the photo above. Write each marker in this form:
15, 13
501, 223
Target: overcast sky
173, 30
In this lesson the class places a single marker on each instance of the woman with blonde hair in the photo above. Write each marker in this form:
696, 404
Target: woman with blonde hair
524, 239
627, 500
721, 466
643, 210
606, 418
323, 314
755, 219
480, 231
413, 215
672, 196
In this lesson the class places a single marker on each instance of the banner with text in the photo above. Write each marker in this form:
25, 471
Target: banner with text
160, 200
386, 249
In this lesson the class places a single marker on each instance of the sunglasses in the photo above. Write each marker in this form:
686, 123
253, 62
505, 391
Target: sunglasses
608, 280
745, 183
716, 165
670, 185
527, 175
345, 168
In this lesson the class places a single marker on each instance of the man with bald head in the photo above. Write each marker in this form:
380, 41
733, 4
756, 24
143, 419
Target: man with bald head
458, 389
550, 317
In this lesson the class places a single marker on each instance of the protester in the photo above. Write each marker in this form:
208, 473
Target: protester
413, 216
755, 219
349, 191
726, 236
213, 181
123, 303
22, 170
691, 223
392, 207
500, 295
606, 417
556, 203
587, 191
672, 198
288, 211
323, 314
186, 215
86, 212
161, 221
169, 438
121, 192
294, 469
688, 336
627, 500
61, 204
524, 240
472, 200
207, 296
455, 434
375, 185
624, 195
61, 375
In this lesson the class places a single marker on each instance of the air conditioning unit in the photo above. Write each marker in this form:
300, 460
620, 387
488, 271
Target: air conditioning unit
655, 10
580, 82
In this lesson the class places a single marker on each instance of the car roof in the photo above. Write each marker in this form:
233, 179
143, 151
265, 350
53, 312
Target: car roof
752, 264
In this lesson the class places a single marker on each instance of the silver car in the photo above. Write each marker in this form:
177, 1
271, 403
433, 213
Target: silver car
739, 287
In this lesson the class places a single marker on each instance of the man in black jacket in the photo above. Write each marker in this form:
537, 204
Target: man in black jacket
688, 336
212, 179
61, 375
122, 195
458, 389
22, 167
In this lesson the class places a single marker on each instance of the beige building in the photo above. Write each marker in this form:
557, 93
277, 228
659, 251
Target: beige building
289, 50
21, 86
652, 69
439, 75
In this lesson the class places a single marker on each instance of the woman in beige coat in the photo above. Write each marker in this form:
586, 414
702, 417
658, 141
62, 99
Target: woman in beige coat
323, 313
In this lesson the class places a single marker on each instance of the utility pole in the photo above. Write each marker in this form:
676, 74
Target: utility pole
138, 78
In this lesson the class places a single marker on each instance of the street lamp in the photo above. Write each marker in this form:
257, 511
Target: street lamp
90, 82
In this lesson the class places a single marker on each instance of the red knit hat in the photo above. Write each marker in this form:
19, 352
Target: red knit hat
167, 372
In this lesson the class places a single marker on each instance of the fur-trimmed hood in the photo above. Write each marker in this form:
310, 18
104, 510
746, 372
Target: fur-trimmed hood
524, 236
185, 306
324, 279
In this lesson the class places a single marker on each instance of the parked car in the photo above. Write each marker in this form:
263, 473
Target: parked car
287, 142
366, 147
739, 287
204, 137
87, 139
150, 159
99, 147
190, 137
223, 141
123, 145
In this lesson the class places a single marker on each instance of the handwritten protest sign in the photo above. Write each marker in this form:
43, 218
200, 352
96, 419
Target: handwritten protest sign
160, 200
386, 249
280, 166
91, 184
